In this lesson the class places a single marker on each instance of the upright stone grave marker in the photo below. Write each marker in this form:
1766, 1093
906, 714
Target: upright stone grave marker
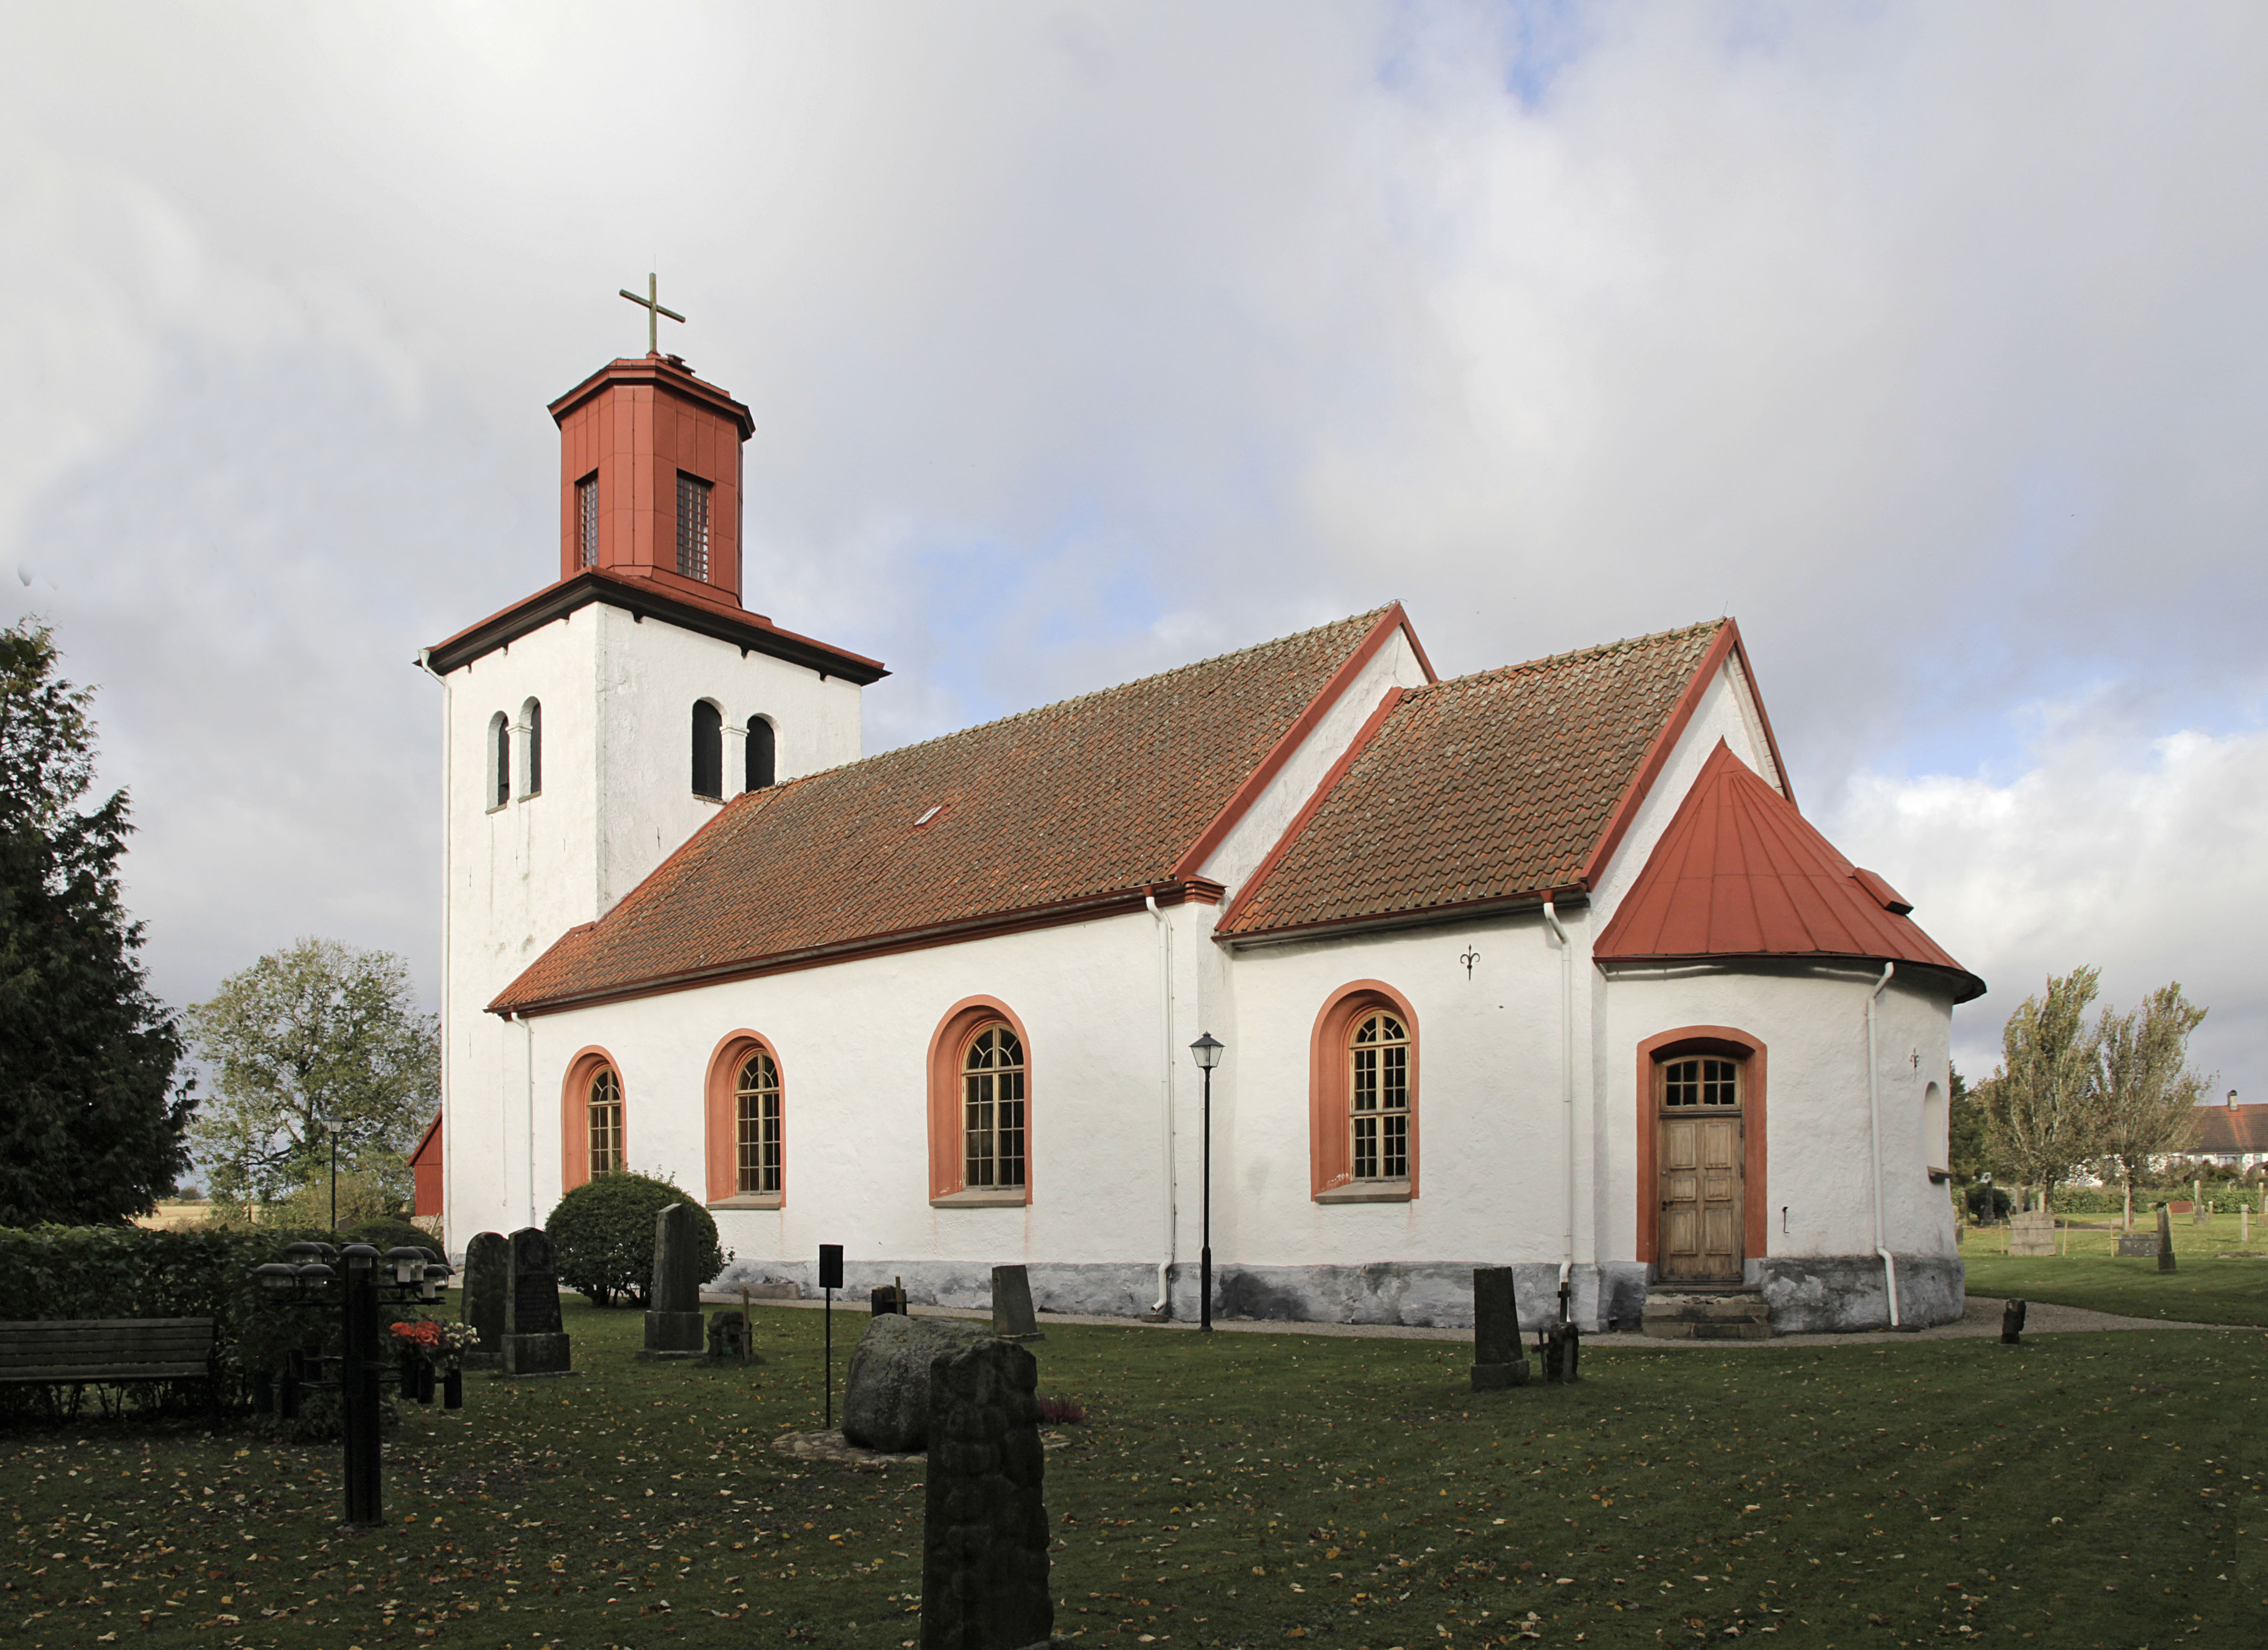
1013, 1317
673, 1326
2032, 1233
1498, 1360
984, 1540
2165, 1239
2141, 1245
487, 1286
533, 1343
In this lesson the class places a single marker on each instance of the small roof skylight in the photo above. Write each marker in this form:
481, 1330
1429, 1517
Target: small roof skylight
932, 814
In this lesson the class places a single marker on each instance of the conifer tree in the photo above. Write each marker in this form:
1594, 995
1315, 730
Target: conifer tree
91, 1121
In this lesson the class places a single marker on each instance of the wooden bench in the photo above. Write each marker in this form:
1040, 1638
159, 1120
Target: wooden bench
109, 1350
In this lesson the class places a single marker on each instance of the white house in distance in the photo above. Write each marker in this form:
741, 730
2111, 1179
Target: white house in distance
1539, 966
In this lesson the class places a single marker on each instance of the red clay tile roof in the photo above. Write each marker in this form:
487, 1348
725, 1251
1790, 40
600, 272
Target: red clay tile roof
1740, 873
2227, 1128
1483, 788
1085, 799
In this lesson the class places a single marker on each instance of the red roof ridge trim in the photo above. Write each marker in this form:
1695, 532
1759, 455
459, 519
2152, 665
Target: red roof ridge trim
1389, 618
1386, 704
1728, 645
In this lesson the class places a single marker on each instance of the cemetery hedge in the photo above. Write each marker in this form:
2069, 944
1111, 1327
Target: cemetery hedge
391, 1232
602, 1236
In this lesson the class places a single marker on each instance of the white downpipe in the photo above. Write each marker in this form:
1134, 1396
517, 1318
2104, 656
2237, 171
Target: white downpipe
1567, 1076
1875, 1117
1165, 1095
528, 1026
448, 801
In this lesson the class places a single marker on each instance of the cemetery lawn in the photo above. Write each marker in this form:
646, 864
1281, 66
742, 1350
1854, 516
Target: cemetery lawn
2201, 1288
2078, 1491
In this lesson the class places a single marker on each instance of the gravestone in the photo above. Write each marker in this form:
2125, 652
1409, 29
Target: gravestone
886, 1298
532, 1343
984, 1537
2203, 1214
1498, 1360
2138, 1245
2165, 1239
1563, 1353
487, 1284
2011, 1323
1013, 1317
728, 1339
2032, 1233
885, 1397
672, 1324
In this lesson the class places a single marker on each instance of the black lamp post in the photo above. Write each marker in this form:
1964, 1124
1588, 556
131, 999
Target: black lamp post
1207, 1051
331, 1127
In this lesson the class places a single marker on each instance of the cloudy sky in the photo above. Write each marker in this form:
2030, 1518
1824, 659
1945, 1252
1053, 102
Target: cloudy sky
1930, 341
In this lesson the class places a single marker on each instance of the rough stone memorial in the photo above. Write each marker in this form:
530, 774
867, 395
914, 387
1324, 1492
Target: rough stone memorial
1498, 1360
984, 1541
885, 1397
673, 1325
728, 1338
487, 1284
1013, 1317
532, 1343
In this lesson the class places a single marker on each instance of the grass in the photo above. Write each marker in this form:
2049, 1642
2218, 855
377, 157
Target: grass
2213, 1280
2080, 1489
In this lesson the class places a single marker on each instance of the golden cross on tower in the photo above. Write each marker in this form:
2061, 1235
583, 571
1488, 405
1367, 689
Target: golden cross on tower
651, 304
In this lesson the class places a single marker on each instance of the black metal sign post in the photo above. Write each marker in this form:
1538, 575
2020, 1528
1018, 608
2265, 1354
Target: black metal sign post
358, 1371
830, 1279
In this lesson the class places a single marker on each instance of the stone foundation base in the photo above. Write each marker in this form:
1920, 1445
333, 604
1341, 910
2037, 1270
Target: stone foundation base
1840, 1293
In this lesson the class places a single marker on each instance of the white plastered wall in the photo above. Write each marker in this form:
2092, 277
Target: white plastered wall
618, 700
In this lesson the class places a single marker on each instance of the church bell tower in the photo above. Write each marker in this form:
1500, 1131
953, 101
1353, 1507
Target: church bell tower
593, 726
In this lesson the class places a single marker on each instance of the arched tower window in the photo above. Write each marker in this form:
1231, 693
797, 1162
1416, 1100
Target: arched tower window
992, 1109
762, 762
499, 762
531, 749
708, 750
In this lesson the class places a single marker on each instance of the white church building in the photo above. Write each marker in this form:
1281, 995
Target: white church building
1540, 966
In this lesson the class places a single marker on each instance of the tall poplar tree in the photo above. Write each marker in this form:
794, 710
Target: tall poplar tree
2043, 1112
2149, 1090
90, 1120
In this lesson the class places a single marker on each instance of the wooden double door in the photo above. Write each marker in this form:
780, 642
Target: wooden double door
1699, 1145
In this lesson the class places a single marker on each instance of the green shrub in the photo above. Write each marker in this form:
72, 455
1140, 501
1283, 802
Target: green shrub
602, 1236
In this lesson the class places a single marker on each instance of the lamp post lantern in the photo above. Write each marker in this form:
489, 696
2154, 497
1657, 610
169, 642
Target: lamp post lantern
1206, 1050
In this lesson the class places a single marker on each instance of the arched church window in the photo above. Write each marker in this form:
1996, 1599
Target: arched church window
992, 1109
1378, 1098
756, 1130
499, 762
531, 749
708, 750
762, 758
1362, 1097
603, 1122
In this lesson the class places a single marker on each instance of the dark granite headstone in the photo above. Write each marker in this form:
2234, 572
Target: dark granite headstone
984, 1539
487, 1283
2165, 1239
1563, 1353
533, 1344
1498, 1360
886, 1299
2011, 1323
1013, 1318
2139, 1245
673, 1326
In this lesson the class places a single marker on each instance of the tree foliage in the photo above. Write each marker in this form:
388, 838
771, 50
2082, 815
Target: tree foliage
2149, 1090
2041, 1106
90, 1120
319, 1030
